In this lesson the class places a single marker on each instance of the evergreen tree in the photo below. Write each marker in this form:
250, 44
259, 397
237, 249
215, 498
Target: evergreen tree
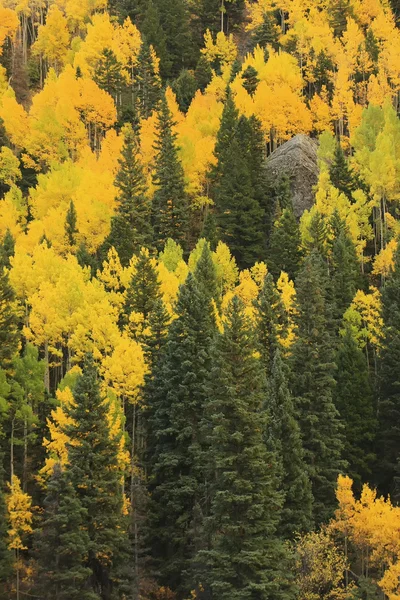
238, 211
95, 475
284, 437
389, 381
313, 384
246, 559
266, 34
131, 225
144, 288
154, 34
269, 312
108, 74
7, 249
62, 544
340, 173
206, 276
170, 202
177, 404
250, 80
185, 88
284, 249
148, 88
345, 268
71, 225
354, 401
9, 321
175, 20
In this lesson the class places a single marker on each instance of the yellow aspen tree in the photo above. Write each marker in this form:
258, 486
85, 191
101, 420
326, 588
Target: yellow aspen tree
52, 41
19, 508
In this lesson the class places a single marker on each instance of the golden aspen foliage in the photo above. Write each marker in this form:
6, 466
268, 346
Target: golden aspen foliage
8, 25
19, 508
223, 49
52, 42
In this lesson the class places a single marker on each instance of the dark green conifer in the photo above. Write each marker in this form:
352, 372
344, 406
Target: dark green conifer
177, 404
170, 202
267, 33
284, 249
354, 401
131, 225
7, 249
246, 559
96, 477
250, 80
153, 32
184, 87
148, 88
108, 74
71, 225
144, 288
62, 544
284, 437
340, 173
389, 381
175, 20
269, 313
312, 383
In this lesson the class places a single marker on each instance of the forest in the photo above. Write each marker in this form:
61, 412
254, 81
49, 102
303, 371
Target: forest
199, 382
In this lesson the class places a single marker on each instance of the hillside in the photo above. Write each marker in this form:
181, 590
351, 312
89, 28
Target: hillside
199, 300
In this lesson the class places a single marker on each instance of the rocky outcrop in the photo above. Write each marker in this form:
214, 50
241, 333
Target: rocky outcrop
297, 159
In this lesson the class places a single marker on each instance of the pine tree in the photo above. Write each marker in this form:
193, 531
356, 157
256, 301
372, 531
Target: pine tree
9, 321
284, 437
313, 384
7, 249
144, 288
389, 381
71, 225
269, 313
94, 473
170, 202
284, 249
154, 34
246, 559
238, 211
354, 401
206, 276
62, 544
148, 88
175, 20
108, 74
266, 34
250, 80
131, 225
345, 268
340, 173
177, 459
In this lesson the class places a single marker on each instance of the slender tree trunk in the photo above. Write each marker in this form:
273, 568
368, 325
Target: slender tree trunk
25, 462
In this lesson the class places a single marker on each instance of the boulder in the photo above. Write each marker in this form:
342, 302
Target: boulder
297, 159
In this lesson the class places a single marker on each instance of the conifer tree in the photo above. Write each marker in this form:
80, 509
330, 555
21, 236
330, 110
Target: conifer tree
71, 225
9, 321
154, 34
389, 378
7, 249
144, 288
250, 80
340, 173
354, 401
62, 544
206, 276
312, 383
148, 89
266, 34
246, 558
170, 202
177, 405
131, 225
284, 437
238, 211
175, 21
94, 473
108, 74
284, 251
269, 312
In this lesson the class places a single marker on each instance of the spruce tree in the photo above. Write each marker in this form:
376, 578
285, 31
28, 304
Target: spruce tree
250, 80
131, 225
340, 173
284, 437
108, 74
238, 211
389, 381
354, 401
246, 559
312, 382
154, 34
144, 288
284, 249
170, 202
176, 405
7, 249
9, 321
175, 19
62, 544
266, 34
71, 225
148, 88
268, 316
95, 475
